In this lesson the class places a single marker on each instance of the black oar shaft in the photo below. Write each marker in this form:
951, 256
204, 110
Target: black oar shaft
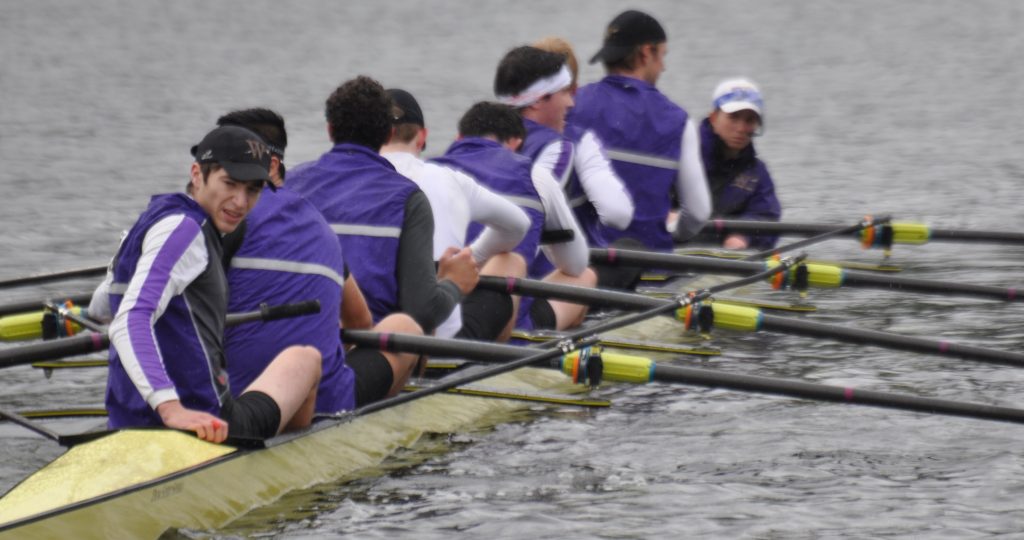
785, 325
95, 341
491, 352
91, 271
853, 278
60, 348
37, 305
798, 389
990, 237
725, 226
772, 323
395, 341
867, 222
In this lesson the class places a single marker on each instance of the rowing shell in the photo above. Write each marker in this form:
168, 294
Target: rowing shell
138, 483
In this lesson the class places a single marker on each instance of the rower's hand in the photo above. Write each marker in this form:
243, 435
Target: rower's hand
458, 265
206, 426
735, 241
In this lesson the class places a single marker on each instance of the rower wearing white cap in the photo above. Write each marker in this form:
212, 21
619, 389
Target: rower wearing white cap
741, 187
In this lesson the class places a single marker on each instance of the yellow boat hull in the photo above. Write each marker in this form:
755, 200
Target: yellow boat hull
140, 483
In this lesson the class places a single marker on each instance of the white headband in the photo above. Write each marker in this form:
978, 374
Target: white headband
539, 89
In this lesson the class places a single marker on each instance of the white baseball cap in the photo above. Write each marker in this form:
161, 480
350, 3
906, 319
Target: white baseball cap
738, 94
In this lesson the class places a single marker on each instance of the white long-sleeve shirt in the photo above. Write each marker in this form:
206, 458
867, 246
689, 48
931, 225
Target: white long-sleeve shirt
570, 257
691, 187
456, 199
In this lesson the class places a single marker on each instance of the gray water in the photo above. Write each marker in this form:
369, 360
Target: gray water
909, 108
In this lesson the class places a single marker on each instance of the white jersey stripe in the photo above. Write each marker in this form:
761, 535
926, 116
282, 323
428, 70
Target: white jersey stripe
277, 265
641, 159
366, 230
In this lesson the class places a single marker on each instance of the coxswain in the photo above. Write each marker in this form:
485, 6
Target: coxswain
741, 187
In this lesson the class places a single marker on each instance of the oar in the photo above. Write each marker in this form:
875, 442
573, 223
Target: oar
817, 275
580, 339
852, 265
94, 341
644, 370
618, 342
492, 392
27, 306
751, 320
857, 227
901, 232
573, 341
91, 271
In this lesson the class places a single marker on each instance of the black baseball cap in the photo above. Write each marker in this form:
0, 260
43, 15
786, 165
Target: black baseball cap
242, 153
411, 112
626, 31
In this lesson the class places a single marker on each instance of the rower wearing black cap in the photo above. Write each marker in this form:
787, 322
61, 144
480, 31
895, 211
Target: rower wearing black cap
652, 142
168, 289
289, 254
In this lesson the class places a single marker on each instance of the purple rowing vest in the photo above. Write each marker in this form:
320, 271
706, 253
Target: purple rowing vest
507, 174
741, 188
289, 254
642, 132
189, 334
363, 199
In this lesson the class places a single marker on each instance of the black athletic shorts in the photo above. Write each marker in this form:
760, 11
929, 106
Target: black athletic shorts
373, 374
543, 315
253, 414
484, 315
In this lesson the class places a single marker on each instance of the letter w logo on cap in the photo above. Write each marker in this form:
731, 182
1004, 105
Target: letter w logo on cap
257, 149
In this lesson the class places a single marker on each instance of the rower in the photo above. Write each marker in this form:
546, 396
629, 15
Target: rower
456, 200
289, 254
539, 84
741, 187
489, 135
169, 292
652, 142
382, 219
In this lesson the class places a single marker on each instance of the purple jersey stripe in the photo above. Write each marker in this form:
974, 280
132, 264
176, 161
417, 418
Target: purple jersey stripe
564, 161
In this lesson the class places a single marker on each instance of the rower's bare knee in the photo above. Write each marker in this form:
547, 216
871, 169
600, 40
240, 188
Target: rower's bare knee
402, 364
505, 264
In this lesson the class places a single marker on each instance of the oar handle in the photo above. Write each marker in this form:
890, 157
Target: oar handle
272, 313
399, 341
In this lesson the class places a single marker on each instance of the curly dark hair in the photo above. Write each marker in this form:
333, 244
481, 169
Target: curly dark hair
492, 119
523, 66
359, 112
